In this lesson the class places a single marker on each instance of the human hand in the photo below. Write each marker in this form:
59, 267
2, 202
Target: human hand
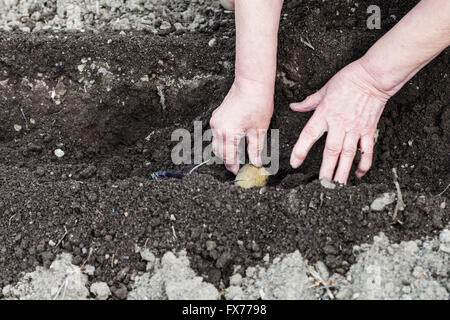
348, 107
245, 112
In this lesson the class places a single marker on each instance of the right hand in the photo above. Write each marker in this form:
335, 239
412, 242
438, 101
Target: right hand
245, 112
348, 107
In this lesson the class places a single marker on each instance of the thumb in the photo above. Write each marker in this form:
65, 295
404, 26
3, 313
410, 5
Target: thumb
310, 103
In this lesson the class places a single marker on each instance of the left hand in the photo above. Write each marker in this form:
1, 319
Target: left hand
348, 107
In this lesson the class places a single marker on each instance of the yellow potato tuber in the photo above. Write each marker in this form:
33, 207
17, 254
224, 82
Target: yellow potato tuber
250, 176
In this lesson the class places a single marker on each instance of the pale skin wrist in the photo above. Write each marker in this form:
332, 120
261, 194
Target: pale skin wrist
381, 79
387, 82
260, 73
263, 87
256, 43
405, 49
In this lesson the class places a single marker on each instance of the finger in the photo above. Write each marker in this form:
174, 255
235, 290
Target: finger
310, 103
366, 143
346, 158
231, 151
331, 152
255, 142
223, 148
313, 130
217, 143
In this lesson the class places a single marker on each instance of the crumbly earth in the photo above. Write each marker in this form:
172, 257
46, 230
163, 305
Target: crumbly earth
155, 16
409, 270
384, 270
110, 102
62, 280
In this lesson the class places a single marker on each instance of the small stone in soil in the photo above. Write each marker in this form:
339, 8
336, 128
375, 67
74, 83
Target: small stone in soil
88, 172
40, 171
380, 203
59, 153
100, 290
210, 245
327, 183
121, 293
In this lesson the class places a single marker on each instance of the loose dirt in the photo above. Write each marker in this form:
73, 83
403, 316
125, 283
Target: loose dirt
110, 101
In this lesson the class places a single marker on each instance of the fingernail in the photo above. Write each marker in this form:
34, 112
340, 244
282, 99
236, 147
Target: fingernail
295, 162
257, 162
233, 168
340, 181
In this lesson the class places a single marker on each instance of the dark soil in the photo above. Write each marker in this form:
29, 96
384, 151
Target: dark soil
101, 191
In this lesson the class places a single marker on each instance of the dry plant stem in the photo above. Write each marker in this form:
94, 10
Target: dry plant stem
63, 236
400, 206
198, 166
440, 194
319, 278
307, 43
63, 285
87, 259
